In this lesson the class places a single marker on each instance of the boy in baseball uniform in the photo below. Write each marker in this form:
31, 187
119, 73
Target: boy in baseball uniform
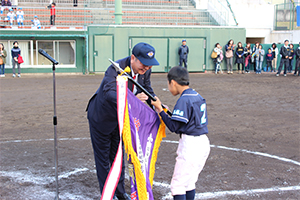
189, 120
20, 17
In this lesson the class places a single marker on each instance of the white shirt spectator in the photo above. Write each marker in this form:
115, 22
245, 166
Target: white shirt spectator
10, 17
36, 23
20, 15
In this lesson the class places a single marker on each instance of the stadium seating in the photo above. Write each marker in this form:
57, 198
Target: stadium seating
148, 12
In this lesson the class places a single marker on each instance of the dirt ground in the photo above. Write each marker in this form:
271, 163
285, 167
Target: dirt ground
254, 129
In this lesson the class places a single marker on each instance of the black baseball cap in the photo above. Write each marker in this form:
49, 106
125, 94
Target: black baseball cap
145, 53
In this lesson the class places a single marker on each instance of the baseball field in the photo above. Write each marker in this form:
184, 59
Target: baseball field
254, 130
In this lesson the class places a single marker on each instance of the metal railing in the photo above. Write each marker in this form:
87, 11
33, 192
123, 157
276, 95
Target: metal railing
62, 3
219, 11
168, 17
165, 4
81, 17
285, 16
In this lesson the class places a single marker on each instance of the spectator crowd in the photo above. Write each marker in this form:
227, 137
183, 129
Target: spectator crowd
255, 56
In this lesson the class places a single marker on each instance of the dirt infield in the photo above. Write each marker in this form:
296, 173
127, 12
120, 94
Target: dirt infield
253, 129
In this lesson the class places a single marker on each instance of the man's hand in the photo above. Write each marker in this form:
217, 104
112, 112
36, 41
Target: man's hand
286, 57
157, 105
142, 96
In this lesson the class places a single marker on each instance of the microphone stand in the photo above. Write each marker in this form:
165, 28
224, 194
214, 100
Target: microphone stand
54, 62
55, 133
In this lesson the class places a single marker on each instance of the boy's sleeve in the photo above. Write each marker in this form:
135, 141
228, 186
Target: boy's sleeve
172, 125
181, 112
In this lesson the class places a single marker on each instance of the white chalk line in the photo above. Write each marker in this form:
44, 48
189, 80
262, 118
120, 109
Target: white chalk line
170, 141
208, 195
25, 177
38, 140
28, 177
247, 151
166, 185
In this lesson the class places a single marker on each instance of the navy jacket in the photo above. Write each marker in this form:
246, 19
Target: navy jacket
284, 52
6, 3
239, 52
102, 107
298, 53
15, 52
183, 52
269, 56
291, 53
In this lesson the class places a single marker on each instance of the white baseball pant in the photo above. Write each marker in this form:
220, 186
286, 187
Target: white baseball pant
192, 154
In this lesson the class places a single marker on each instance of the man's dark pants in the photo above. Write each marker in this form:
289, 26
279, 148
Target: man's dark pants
184, 62
105, 148
284, 62
52, 20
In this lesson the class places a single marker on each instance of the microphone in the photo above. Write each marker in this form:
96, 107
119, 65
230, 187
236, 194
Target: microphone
46, 55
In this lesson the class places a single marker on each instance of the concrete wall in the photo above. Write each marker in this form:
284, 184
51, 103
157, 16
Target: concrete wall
115, 42
280, 36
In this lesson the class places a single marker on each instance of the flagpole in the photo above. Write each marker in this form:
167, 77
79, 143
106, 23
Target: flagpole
121, 71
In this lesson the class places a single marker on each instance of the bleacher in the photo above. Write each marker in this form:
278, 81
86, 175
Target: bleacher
138, 12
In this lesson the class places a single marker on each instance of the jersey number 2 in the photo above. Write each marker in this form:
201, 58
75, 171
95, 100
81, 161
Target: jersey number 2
203, 109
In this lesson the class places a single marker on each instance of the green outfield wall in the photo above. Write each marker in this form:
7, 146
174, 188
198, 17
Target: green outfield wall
80, 51
116, 42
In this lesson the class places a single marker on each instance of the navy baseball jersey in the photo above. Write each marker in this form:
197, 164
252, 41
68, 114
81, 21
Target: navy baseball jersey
191, 110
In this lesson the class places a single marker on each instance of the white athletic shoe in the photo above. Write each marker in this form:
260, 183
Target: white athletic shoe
284, 75
14, 75
19, 75
2, 75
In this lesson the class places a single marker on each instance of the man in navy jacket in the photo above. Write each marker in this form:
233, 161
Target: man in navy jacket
102, 111
183, 52
284, 51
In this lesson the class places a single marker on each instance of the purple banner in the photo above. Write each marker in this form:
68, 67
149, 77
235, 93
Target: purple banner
144, 126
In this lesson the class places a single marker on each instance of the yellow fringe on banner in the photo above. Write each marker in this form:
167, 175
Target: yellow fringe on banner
140, 179
161, 133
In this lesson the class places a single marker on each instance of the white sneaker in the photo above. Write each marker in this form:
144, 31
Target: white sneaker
14, 75
277, 74
284, 75
19, 75
2, 75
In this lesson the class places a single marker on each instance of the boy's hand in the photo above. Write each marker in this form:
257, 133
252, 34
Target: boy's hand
142, 96
157, 105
